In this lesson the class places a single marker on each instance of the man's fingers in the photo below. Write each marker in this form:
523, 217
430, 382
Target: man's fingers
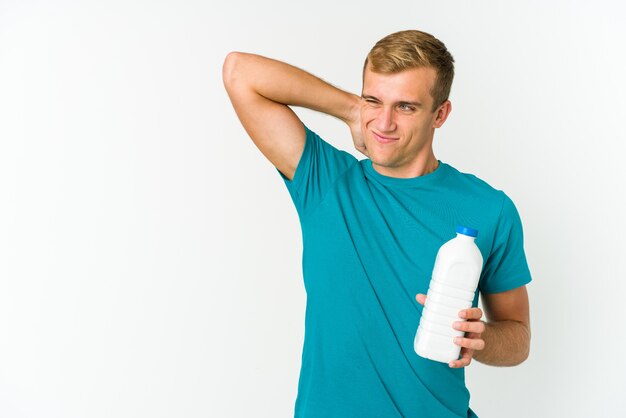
470, 326
464, 361
473, 328
421, 298
472, 313
472, 343
362, 149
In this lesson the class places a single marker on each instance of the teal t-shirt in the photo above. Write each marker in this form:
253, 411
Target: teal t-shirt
369, 246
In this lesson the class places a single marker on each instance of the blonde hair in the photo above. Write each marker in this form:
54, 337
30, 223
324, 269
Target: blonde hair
409, 49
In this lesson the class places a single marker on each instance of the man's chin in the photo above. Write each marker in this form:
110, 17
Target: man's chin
381, 162
378, 159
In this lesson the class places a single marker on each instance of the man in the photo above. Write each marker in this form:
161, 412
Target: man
372, 228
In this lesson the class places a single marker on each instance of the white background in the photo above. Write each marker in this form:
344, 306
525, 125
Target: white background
150, 256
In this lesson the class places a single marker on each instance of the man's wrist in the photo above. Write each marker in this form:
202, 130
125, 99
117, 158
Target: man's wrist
506, 343
352, 110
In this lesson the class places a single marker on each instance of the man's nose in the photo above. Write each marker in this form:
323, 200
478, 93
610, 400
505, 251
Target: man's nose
385, 120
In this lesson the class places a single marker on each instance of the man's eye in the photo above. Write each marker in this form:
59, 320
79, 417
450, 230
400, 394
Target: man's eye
406, 107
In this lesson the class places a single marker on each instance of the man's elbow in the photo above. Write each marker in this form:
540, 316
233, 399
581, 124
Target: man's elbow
522, 357
231, 62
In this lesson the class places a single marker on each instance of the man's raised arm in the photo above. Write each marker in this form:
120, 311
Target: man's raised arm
261, 91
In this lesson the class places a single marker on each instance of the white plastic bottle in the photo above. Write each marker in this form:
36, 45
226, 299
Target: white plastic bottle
452, 287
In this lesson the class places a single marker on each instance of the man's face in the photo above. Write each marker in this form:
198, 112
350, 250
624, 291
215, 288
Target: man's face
398, 122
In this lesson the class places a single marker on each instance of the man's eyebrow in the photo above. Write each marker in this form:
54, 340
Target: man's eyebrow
401, 102
416, 104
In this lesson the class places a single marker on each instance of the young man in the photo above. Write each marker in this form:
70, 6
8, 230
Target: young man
372, 228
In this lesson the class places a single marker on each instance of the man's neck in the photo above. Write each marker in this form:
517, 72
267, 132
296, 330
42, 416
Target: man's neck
417, 169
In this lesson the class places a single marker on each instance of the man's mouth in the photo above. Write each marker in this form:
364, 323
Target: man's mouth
384, 139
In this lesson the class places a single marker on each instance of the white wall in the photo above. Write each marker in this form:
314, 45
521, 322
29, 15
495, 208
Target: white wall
150, 257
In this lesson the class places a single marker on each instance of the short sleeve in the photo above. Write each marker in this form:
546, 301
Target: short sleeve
319, 167
506, 267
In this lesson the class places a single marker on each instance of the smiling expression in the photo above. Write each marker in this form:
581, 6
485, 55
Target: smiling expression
398, 121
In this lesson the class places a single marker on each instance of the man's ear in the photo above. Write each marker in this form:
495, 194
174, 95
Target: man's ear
442, 114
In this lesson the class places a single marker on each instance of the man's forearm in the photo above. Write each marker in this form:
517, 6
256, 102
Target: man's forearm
286, 84
507, 343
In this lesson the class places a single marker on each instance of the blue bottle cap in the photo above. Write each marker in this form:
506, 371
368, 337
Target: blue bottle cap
467, 231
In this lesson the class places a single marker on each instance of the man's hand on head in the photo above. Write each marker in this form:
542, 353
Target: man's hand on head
354, 123
359, 143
